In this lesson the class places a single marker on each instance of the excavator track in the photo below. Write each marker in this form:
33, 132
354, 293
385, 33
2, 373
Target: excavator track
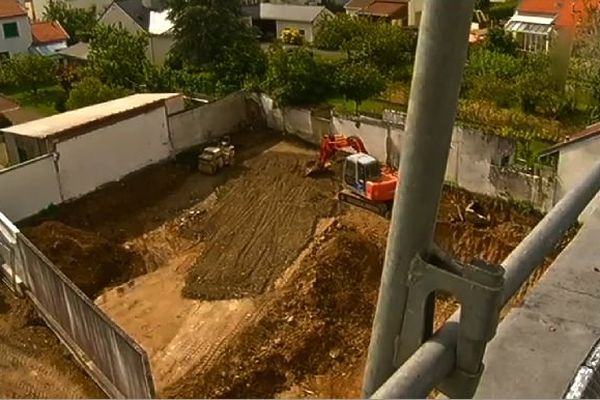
383, 209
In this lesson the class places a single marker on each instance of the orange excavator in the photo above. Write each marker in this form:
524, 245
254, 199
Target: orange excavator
367, 184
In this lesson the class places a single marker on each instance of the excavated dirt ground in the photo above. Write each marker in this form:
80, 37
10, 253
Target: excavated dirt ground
33, 364
251, 283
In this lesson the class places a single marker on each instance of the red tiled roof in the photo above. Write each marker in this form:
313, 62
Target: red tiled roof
588, 133
47, 32
385, 9
11, 8
567, 12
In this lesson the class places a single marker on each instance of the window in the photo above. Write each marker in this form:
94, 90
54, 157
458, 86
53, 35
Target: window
11, 30
120, 25
302, 32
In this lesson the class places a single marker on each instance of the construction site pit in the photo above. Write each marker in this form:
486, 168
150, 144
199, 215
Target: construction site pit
252, 283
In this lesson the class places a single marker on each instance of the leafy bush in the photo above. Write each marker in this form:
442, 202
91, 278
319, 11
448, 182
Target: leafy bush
502, 11
78, 22
92, 91
118, 57
359, 81
292, 36
30, 72
294, 77
509, 122
389, 47
499, 41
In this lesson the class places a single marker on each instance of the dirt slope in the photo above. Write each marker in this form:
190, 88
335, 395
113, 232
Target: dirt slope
259, 226
89, 260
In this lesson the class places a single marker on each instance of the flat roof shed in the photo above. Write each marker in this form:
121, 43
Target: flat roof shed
38, 137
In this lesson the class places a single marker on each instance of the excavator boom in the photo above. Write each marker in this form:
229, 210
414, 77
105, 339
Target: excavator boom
330, 145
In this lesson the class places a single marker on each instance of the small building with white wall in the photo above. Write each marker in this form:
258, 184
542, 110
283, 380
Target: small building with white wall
132, 116
273, 19
576, 157
15, 31
138, 16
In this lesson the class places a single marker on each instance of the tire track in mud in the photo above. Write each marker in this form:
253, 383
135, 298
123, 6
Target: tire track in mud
259, 226
33, 363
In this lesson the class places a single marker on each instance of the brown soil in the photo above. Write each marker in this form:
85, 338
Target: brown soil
89, 260
317, 321
258, 227
33, 363
305, 330
313, 333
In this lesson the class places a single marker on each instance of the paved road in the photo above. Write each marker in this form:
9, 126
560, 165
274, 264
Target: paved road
539, 346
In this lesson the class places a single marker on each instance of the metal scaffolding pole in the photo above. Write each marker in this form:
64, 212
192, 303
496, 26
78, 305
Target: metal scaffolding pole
436, 358
440, 57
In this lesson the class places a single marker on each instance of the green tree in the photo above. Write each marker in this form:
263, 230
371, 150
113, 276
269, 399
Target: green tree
536, 86
204, 29
294, 77
359, 81
78, 22
91, 91
487, 77
118, 57
213, 36
499, 41
336, 32
31, 71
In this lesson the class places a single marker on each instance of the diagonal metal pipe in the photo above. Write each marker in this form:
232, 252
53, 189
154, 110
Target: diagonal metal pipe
436, 358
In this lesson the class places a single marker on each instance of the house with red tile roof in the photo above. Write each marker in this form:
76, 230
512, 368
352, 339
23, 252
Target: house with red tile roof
537, 23
19, 35
15, 31
398, 12
48, 37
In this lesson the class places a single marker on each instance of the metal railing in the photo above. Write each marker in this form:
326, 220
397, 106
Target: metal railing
113, 359
405, 359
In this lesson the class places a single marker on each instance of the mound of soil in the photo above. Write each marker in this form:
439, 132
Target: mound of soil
259, 225
319, 321
90, 261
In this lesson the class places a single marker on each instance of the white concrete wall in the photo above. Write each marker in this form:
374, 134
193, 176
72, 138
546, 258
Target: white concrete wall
473, 163
273, 115
574, 163
175, 105
160, 47
374, 136
415, 9
207, 122
28, 188
19, 44
109, 153
298, 121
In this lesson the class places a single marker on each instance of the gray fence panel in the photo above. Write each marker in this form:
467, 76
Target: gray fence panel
117, 363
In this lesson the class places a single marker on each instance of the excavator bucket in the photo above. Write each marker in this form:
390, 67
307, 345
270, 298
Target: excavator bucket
314, 169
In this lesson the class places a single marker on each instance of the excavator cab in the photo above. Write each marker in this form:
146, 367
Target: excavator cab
359, 169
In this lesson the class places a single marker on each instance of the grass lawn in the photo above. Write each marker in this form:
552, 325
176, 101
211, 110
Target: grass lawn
43, 102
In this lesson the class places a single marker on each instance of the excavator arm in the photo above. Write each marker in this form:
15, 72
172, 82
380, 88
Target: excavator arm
330, 145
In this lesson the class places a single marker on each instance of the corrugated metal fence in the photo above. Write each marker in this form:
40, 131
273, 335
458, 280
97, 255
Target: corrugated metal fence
114, 360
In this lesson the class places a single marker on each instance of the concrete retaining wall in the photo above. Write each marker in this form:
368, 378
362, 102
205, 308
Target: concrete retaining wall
477, 161
207, 122
28, 188
107, 154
